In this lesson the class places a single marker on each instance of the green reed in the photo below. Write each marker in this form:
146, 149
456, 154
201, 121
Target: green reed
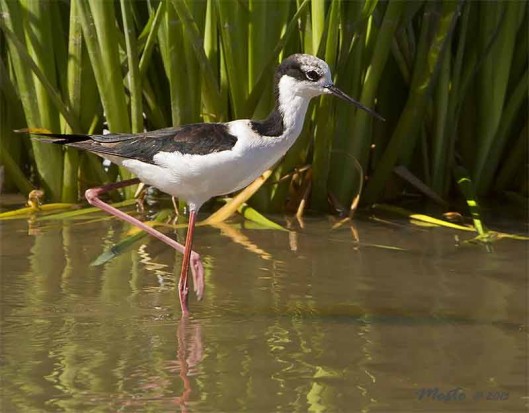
450, 77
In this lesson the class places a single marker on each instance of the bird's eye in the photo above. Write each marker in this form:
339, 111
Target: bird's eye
312, 75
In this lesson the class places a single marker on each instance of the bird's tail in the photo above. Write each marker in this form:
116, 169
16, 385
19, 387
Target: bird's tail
58, 138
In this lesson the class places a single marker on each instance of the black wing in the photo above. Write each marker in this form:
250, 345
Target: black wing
195, 139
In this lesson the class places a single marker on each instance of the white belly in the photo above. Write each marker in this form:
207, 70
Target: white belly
197, 178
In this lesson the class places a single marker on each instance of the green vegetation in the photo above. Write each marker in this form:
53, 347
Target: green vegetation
450, 77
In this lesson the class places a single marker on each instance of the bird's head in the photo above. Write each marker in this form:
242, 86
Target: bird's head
308, 76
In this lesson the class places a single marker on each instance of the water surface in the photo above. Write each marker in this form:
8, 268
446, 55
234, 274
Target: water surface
311, 320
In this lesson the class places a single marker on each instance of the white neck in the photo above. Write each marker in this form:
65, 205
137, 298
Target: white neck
293, 107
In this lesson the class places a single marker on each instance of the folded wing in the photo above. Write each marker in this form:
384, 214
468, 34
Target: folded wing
195, 139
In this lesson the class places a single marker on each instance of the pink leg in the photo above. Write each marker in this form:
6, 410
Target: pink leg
182, 285
190, 257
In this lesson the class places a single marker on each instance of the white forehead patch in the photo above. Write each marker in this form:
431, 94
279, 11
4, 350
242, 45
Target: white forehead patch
308, 62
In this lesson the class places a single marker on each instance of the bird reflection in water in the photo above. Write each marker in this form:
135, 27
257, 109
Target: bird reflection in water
190, 353
176, 373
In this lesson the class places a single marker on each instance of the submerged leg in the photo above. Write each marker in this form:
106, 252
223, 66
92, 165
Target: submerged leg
182, 284
193, 259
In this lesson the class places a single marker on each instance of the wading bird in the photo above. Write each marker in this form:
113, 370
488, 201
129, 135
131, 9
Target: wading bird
199, 161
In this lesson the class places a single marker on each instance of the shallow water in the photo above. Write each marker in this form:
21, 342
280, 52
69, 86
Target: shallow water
310, 320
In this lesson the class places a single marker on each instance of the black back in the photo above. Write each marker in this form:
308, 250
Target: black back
194, 139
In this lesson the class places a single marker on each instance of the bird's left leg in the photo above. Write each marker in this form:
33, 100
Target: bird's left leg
193, 259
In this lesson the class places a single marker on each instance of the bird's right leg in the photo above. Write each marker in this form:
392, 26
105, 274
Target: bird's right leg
182, 284
197, 269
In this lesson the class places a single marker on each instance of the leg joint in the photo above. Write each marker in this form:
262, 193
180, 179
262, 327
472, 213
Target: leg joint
91, 194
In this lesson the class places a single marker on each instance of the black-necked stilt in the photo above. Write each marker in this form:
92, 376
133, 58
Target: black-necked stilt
199, 161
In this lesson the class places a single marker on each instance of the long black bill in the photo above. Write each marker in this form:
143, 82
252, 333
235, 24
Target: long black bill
337, 92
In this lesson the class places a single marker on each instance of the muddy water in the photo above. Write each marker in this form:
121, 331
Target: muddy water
304, 321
